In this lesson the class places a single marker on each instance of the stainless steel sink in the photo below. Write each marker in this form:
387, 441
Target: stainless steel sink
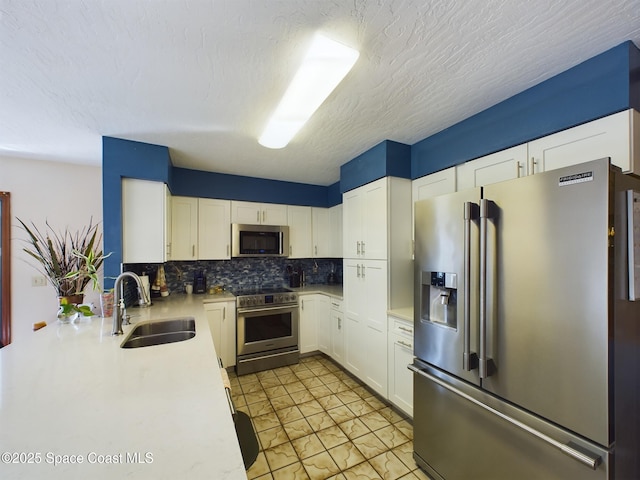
158, 332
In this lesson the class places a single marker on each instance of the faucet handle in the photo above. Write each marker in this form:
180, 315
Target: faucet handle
125, 319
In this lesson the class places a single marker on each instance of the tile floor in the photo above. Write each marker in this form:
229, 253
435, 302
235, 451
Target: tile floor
316, 421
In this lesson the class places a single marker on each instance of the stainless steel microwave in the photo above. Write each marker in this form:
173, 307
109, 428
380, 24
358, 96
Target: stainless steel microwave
259, 240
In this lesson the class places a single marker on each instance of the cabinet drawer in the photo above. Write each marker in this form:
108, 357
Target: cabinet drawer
336, 305
401, 327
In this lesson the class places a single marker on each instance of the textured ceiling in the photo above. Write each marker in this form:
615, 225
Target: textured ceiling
202, 77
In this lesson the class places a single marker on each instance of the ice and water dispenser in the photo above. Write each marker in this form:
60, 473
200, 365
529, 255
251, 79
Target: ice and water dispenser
440, 298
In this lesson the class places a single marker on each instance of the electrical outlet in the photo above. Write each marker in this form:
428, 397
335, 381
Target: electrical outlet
38, 281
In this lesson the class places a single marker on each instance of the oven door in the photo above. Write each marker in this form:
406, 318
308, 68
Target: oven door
269, 328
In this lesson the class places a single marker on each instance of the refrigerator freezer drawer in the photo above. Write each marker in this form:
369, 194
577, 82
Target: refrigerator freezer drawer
456, 437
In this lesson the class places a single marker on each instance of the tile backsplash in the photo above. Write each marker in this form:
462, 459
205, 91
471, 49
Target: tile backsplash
240, 273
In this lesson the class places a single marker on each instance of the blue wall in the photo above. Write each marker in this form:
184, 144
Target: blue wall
124, 158
196, 183
387, 159
600, 86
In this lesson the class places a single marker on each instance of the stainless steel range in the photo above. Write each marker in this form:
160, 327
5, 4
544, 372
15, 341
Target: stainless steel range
267, 329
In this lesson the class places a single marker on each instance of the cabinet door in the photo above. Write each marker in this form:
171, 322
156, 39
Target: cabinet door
434, 184
374, 276
184, 228
323, 317
374, 225
274, 214
322, 233
222, 325
504, 165
355, 297
144, 226
299, 221
335, 229
352, 223
214, 229
337, 331
400, 377
308, 323
246, 212
606, 137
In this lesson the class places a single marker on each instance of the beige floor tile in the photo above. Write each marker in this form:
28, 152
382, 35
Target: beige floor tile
389, 466
307, 446
420, 475
275, 391
405, 453
346, 455
320, 391
320, 466
339, 476
287, 378
264, 422
294, 471
341, 414
354, 428
254, 397
260, 408
405, 427
252, 387
294, 386
283, 401
337, 387
391, 415
272, 437
266, 476
328, 378
369, 445
265, 374
298, 428
375, 403
246, 379
348, 396
270, 382
312, 382
363, 392
360, 407
281, 456
375, 421
310, 408
391, 436
332, 437
289, 414
306, 373
320, 421
351, 383
362, 471
302, 396
329, 402
319, 371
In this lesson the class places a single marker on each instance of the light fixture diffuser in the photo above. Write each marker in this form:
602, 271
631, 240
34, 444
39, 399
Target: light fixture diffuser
324, 66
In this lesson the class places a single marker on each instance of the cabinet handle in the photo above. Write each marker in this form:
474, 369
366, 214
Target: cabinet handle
227, 250
264, 216
316, 249
518, 167
362, 271
532, 166
193, 250
290, 250
358, 248
362, 248
339, 323
404, 344
358, 270
224, 313
405, 329
258, 217
301, 304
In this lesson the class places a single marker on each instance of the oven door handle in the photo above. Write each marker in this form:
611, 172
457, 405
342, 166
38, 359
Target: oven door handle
267, 309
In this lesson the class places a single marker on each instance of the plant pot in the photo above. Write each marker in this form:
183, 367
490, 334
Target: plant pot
106, 304
69, 299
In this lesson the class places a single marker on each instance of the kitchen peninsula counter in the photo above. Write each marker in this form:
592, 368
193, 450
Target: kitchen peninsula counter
331, 290
70, 394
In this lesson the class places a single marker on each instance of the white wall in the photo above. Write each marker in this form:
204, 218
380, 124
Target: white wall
65, 195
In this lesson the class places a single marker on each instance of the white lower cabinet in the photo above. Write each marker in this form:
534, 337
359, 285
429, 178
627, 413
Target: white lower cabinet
336, 328
222, 324
400, 354
323, 318
308, 325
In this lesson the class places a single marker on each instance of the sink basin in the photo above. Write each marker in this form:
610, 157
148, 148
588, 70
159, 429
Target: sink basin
158, 332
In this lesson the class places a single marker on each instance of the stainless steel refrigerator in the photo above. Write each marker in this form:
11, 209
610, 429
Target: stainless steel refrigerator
527, 332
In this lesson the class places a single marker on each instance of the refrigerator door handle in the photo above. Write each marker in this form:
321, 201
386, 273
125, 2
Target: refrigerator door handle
486, 366
469, 358
578, 453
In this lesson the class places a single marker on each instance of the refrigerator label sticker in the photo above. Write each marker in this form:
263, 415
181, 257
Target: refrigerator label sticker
576, 178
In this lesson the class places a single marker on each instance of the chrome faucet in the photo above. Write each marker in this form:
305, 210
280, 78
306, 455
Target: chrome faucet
118, 302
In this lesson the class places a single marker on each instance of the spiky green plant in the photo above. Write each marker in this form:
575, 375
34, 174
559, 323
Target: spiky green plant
62, 255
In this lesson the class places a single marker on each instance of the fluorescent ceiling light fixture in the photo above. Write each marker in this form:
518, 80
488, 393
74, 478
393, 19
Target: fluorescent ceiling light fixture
325, 65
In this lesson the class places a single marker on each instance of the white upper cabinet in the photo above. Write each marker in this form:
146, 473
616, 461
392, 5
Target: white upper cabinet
300, 241
434, 184
214, 229
365, 221
184, 228
335, 229
145, 209
497, 167
253, 213
322, 233
616, 136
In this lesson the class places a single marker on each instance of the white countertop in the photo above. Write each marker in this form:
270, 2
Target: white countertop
405, 313
70, 393
331, 290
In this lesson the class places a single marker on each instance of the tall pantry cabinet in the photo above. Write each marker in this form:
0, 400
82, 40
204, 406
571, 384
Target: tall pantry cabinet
378, 272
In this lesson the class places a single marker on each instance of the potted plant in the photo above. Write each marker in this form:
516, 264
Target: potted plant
91, 261
62, 258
